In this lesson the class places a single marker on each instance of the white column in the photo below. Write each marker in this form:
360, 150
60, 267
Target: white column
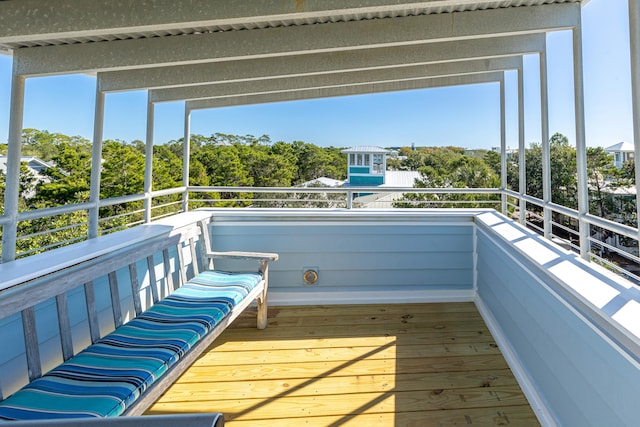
581, 148
546, 155
634, 35
186, 152
12, 184
503, 146
148, 161
96, 162
522, 168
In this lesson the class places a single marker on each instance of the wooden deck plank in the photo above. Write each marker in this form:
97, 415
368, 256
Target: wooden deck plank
366, 310
519, 416
340, 353
347, 403
198, 389
266, 341
314, 318
392, 365
473, 327
359, 367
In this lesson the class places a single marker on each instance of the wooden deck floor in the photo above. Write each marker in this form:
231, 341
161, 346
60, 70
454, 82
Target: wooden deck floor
367, 365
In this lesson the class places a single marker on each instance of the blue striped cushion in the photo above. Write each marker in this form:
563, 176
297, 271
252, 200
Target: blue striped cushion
105, 378
234, 286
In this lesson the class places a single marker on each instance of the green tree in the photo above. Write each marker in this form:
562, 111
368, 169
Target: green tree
492, 159
44, 145
69, 180
603, 177
122, 170
449, 167
628, 172
563, 167
167, 168
314, 162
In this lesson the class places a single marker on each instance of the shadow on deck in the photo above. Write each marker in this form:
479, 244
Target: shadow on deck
391, 365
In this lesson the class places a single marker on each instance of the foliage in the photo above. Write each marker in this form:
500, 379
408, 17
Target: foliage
564, 187
448, 167
216, 160
224, 160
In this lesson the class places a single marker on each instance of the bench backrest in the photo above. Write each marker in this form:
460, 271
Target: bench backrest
50, 318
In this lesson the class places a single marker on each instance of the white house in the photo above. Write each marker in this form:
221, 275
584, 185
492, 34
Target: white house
367, 167
36, 167
622, 152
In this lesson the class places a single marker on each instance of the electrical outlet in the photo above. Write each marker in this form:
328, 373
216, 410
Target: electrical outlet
310, 275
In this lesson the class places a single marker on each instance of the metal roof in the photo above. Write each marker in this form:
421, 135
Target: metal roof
216, 53
364, 149
30, 23
621, 146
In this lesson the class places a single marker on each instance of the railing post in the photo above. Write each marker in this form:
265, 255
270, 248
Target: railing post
186, 153
349, 199
522, 167
148, 161
96, 162
12, 184
581, 149
503, 147
546, 153
634, 36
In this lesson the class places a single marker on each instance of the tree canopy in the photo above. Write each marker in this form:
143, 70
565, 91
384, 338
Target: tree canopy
224, 160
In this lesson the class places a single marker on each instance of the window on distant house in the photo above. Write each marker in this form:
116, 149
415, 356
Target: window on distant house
377, 163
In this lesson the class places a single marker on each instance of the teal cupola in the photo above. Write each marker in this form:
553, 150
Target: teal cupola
366, 166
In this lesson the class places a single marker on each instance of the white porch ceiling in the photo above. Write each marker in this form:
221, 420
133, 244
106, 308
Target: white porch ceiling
28, 23
269, 50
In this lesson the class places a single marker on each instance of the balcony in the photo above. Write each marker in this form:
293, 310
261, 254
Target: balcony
567, 329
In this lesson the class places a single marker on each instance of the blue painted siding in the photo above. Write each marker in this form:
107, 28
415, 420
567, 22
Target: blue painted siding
354, 169
579, 374
356, 180
363, 255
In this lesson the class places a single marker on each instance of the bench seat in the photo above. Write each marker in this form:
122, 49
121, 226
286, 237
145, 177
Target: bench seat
108, 376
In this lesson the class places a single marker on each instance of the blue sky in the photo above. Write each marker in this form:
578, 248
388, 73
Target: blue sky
465, 116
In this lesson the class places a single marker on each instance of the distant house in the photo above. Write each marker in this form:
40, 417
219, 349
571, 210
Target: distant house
622, 152
323, 182
35, 165
511, 153
367, 167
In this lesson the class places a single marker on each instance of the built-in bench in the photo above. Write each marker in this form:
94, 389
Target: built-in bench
126, 370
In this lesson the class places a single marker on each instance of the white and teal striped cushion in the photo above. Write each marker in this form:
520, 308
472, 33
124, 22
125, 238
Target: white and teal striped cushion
107, 377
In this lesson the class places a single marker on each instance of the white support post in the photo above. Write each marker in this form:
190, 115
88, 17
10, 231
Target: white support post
186, 153
12, 184
503, 146
634, 35
581, 147
148, 161
522, 167
546, 153
96, 163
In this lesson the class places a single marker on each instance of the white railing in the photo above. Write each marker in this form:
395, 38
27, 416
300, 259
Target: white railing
611, 244
605, 236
